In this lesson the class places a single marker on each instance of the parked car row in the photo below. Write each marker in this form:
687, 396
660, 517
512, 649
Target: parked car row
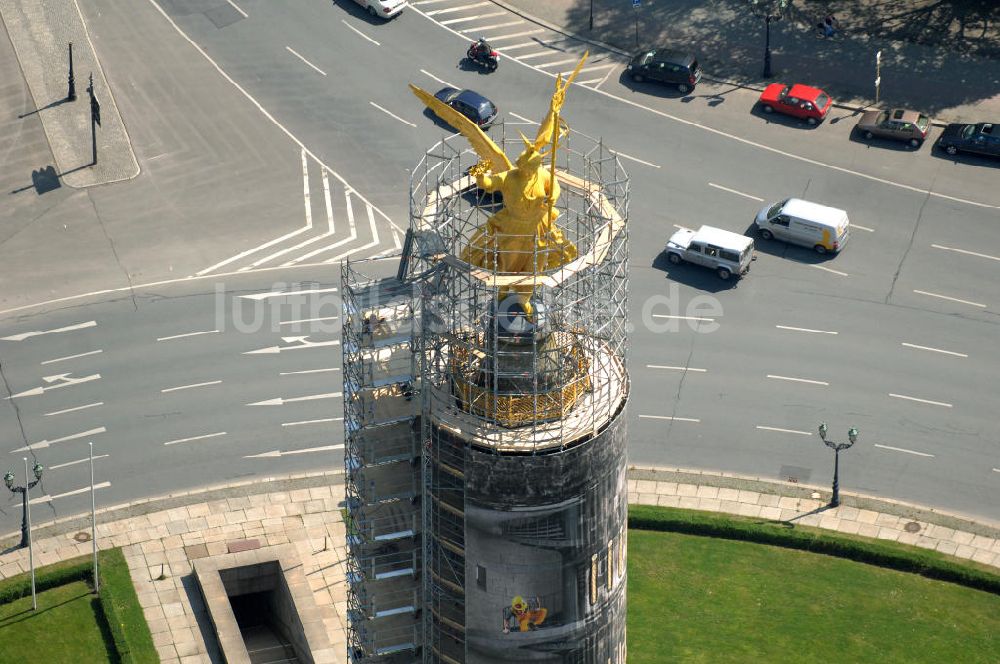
812, 104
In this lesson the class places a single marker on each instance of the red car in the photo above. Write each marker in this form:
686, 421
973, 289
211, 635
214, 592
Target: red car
800, 101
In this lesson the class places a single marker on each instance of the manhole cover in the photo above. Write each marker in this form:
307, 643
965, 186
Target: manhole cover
82, 537
912, 527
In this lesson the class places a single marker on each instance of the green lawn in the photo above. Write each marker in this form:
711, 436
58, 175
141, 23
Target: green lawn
67, 627
702, 599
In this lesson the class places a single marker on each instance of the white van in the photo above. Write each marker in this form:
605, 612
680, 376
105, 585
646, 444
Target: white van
725, 252
796, 221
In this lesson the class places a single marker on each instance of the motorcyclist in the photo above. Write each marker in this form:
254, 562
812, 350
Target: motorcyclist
481, 48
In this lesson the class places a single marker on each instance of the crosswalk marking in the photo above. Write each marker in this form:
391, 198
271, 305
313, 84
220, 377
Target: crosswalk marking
515, 34
466, 19
462, 8
539, 54
557, 63
483, 28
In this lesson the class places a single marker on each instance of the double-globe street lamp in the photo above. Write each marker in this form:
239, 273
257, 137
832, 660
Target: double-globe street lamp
769, 10
8, 479
852, 437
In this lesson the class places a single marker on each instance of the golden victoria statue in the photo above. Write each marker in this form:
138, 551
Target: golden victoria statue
522, 238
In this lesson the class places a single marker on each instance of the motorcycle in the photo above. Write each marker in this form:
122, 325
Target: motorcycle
489, 60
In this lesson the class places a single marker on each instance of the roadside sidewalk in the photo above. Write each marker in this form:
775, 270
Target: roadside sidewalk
729, 42
163, 537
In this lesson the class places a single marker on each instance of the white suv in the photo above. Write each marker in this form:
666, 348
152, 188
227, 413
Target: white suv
725, 252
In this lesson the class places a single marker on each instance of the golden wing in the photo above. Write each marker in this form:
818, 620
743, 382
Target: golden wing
484, 146
548, 125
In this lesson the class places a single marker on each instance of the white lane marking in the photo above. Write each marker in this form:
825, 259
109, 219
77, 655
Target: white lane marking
934, 350
391, 114
483, 28
71, 410
966, 252
300, 57
902, 449
622, 154
590, 81
451, 10
695, 318
359, 32
234, 6
558, 62
267, 115
538, 54
329, 223
862, 228
508, 49
307, 371
927, 401
800, 433
300, 343
466, 19
952, 299
188, 387
373, 243
72, 357
194, 438
69, 328
350, 238
73, 463
427, 2
307, 320
187, 334
269, 294
996, 470
42, 444
828, 269
661, 366
278, 453
48, 499
521, 117
441, 81
513, 35
671, 418
322, 421
610, 71
761, 146
804, 329
277, 240
281, 402
798, 380
738, 193
593, 68
66, 382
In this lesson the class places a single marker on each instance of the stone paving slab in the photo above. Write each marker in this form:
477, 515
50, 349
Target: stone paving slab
40, 32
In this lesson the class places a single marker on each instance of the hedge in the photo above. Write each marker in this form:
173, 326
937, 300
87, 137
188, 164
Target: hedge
891, 555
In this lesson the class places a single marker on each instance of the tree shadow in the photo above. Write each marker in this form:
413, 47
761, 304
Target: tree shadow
729, 42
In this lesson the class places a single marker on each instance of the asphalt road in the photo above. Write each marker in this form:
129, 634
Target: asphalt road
298, 156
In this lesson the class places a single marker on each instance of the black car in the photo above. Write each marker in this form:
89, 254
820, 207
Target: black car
982, 138
666, 66
471, 104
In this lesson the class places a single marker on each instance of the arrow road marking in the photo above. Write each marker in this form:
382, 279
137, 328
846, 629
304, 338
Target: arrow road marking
278, 453
280, 402
48, 499
188, 440
270, 294
35, 391
300, 343
69, 328
42, 444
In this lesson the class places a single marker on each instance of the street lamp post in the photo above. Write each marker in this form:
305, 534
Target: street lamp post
8, 479
769, 10
852, 437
